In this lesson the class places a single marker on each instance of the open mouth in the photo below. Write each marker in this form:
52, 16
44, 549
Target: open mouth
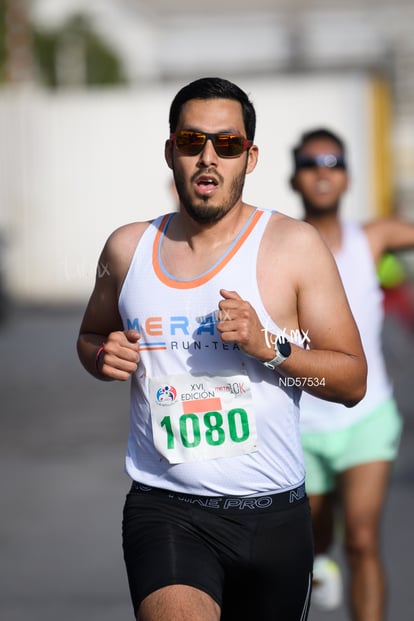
206, 184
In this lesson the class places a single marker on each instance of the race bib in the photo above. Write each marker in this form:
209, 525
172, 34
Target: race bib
202, 416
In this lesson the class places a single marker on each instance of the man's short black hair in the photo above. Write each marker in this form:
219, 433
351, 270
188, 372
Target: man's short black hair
319, 133
214, 88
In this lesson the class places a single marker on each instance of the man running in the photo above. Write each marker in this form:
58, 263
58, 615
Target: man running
209, 311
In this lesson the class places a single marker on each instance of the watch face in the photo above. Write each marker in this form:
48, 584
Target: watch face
283, 347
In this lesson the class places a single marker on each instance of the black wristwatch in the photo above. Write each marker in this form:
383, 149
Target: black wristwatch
282, 351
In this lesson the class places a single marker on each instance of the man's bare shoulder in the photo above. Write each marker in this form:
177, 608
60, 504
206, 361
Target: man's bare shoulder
128, 233
121, 244
285, 228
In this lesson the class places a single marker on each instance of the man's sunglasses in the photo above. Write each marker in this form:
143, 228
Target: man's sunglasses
325, 160
190, 142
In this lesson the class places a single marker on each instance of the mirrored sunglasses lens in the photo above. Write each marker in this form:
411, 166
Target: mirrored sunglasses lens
228, 145
329, 160
306, 162
340, 162
190, 143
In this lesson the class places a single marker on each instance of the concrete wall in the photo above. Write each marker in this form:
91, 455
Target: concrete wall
74, 166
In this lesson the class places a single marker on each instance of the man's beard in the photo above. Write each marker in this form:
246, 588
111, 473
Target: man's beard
204, 213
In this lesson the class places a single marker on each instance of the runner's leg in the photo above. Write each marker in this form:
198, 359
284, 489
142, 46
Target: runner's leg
363, 490
178, 603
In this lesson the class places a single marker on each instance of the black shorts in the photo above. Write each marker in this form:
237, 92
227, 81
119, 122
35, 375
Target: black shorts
253, 556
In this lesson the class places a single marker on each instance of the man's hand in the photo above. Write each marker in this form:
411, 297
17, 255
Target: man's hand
239, 323
120, 355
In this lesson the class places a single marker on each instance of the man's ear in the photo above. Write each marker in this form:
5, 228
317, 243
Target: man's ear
293, 183
168, 152
252, 158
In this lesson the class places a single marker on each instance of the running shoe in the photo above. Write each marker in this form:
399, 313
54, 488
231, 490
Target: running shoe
327, 583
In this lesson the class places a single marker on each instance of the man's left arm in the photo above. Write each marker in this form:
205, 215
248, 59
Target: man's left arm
389, 234
334, 366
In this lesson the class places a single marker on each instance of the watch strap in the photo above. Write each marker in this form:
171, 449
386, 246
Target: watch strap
278, 359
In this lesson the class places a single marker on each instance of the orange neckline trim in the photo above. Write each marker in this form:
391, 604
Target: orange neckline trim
200, 280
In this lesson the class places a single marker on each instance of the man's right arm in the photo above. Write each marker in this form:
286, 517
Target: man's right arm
105, 349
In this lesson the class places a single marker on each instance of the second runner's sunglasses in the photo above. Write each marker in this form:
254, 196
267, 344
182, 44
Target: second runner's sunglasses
325, 160
189, 142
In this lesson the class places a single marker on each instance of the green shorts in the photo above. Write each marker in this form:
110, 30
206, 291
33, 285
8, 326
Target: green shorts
374, 438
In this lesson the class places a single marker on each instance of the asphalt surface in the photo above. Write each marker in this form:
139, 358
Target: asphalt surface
62, 443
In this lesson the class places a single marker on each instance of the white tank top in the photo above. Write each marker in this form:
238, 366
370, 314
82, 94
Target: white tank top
359, 277
205, 418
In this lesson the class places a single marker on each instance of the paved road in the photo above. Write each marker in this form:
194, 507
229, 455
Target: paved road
62, 441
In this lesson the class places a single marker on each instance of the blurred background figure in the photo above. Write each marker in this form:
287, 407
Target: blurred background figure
348, 454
